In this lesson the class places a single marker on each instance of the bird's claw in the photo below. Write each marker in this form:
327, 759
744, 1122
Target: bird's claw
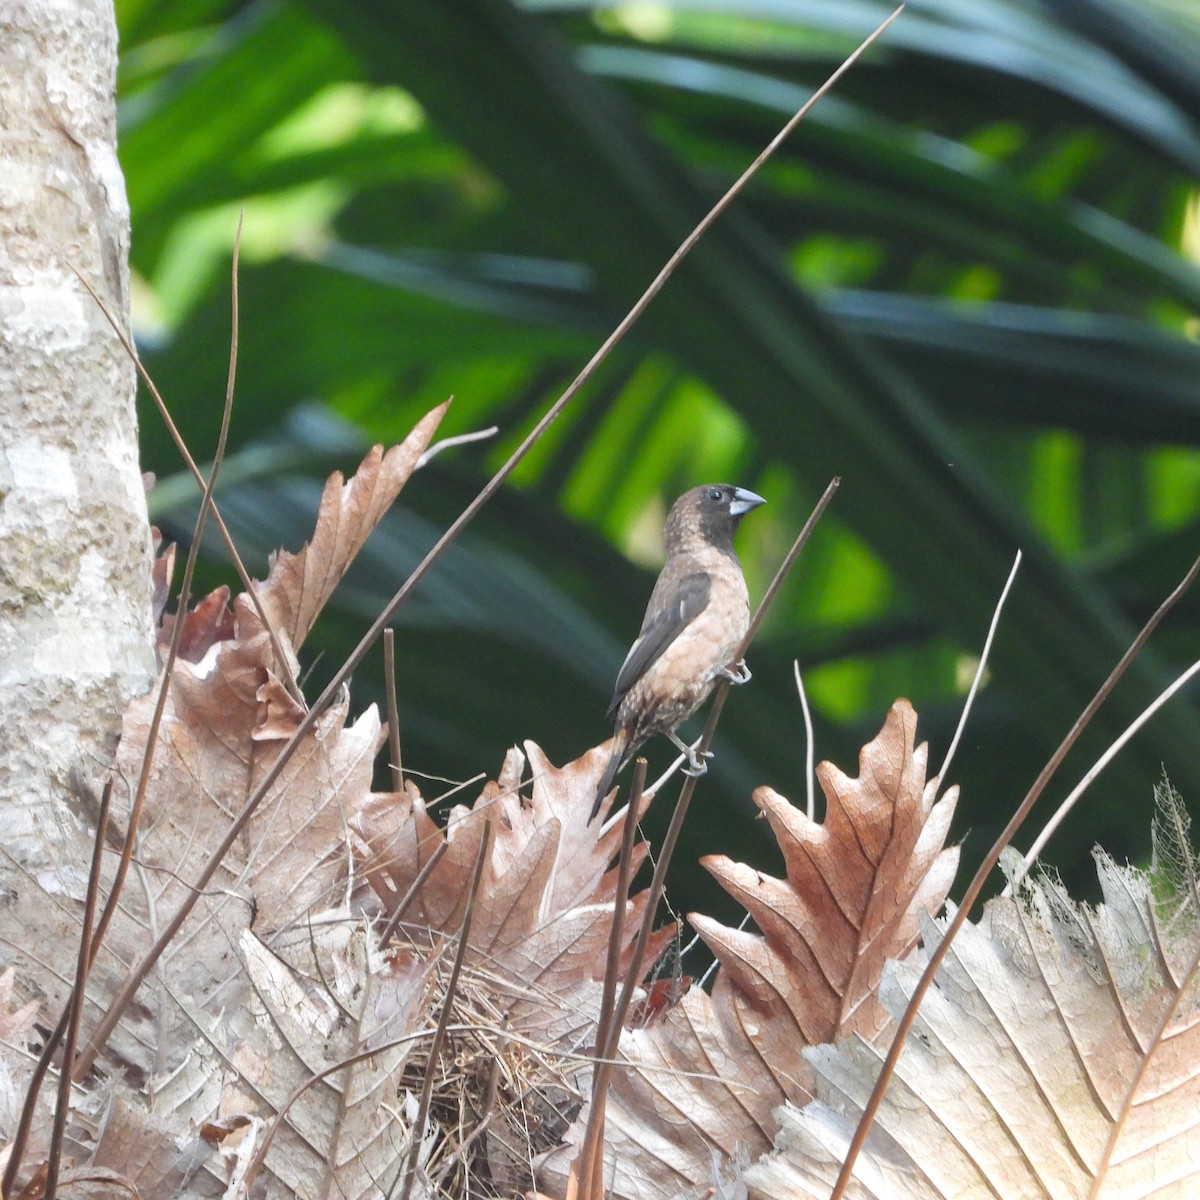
696, 766
738, 673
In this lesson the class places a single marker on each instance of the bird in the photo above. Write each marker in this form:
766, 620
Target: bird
696, 620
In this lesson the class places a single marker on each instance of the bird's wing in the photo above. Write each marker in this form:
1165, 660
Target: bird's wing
663, 624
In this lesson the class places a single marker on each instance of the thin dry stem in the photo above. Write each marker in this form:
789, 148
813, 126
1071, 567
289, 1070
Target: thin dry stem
393, 709
983, 657
624, 869
397, 914
460, 439
810, 797
185, 590
589, 1165
283, 663
1093, 773
75, 1001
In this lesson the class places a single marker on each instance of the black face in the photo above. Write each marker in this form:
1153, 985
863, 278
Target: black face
718, 495
722, 506
735, 501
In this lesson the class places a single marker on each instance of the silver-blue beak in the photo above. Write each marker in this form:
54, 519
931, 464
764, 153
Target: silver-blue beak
743, 502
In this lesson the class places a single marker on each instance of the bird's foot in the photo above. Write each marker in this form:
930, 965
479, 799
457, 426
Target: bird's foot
738, 673
696, 758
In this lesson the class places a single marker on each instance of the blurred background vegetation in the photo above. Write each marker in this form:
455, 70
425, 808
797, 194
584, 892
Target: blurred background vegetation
968, 285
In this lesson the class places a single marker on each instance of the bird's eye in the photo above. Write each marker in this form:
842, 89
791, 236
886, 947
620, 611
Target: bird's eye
714, 494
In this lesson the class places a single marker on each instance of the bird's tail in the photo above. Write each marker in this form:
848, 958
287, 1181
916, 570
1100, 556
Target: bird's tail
620, 752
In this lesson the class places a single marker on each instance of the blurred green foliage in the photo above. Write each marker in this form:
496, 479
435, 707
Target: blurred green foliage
967, 285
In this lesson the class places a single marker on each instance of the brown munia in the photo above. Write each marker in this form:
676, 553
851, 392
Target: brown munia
697, 617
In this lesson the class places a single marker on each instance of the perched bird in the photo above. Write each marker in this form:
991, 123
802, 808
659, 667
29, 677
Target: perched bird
697, 617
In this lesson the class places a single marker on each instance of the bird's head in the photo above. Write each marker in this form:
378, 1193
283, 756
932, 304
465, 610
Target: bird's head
710, 513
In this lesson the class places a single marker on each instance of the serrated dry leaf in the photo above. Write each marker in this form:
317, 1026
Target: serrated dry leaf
545, 903
704, 1080
226, 722
537, 948
208, 623
298, 839
854, 888
1058, 1056
300, 584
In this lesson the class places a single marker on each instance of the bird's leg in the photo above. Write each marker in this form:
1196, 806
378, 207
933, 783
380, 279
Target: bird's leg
738, 673
695, 759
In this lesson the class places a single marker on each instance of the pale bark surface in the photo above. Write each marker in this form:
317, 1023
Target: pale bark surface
75, 626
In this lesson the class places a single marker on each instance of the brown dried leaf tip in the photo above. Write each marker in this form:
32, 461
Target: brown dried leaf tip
1056, 1055
854, 888
298, 586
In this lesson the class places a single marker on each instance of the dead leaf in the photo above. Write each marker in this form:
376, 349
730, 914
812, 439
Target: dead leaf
160, 576
854, 888
274, 978
1055, 1057
338, 1135
299, 584
16, 1020
18, 1034
208, 623
544, 910
538, 942
145, 1151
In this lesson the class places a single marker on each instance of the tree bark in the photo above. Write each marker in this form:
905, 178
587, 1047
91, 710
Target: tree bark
75, 620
